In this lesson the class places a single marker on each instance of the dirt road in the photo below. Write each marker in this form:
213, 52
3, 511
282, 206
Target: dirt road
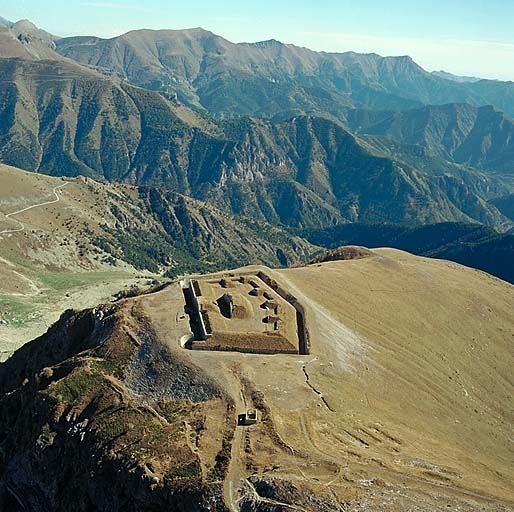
22, 226
235, 474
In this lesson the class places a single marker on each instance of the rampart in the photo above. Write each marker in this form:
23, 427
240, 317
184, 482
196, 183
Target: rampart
254, 344
304, 344
199, 327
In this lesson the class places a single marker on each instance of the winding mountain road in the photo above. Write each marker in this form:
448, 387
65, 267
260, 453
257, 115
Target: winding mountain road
22, 226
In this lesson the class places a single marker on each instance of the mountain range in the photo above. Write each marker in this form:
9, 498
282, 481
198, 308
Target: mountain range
270, 78
137, 162
280, 134
306, 171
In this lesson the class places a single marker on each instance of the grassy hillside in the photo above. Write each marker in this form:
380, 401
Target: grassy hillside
101, 383
405, 401
414, 356
469, 244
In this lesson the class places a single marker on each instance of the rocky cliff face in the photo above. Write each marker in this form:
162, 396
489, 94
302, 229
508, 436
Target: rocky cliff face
83, 117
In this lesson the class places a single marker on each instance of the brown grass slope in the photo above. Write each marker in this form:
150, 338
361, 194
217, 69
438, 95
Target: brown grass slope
404, 403
406, 399
420, 377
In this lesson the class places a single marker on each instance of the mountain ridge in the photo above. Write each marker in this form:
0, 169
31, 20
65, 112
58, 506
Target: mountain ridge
151, 229
364, 79
299, 172
457, 78
472, 245
482, 137
86, 124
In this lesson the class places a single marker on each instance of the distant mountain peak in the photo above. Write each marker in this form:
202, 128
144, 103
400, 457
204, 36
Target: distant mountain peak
404, 58
269, 42
199, 29
25, 22
25, 30
195, 30
25, 40
177, 31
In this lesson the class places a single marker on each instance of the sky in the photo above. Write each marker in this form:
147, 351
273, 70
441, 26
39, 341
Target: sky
465, 37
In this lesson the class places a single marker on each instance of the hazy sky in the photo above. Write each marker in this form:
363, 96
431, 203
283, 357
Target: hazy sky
470, 37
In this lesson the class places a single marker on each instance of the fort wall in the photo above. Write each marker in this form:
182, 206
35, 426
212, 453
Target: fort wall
245, 336
304, 344
201, 328
219, 347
